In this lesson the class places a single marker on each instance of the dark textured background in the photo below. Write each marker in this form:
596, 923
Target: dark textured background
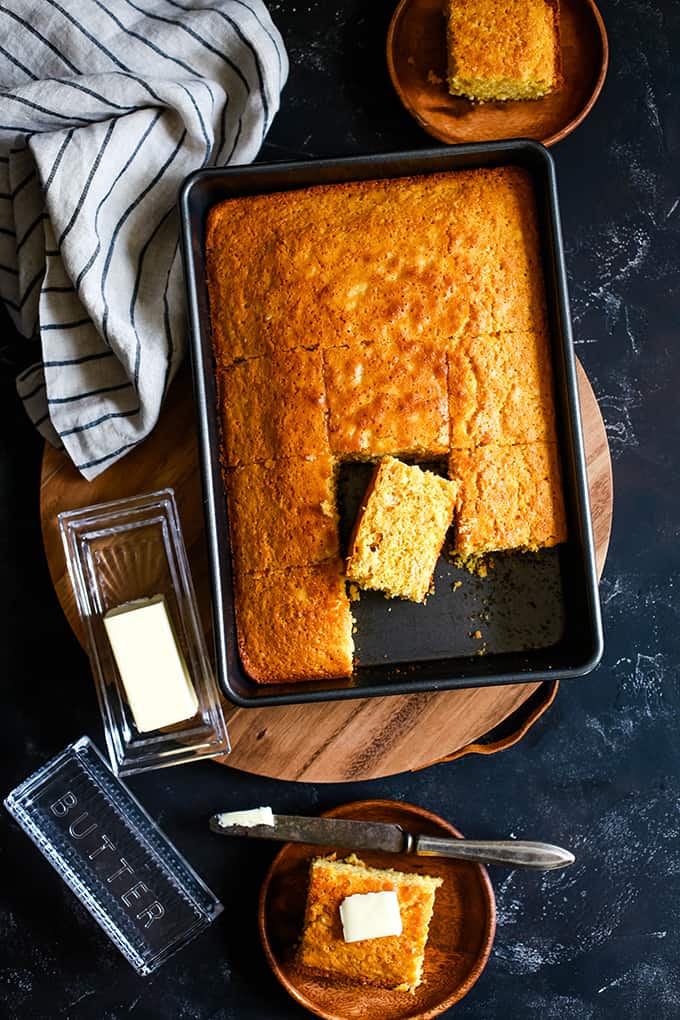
600, 773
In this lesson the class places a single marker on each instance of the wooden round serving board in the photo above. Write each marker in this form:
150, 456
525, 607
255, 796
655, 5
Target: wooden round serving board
329, 742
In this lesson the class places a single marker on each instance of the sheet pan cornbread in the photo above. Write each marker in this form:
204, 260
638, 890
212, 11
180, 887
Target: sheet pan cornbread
402, 317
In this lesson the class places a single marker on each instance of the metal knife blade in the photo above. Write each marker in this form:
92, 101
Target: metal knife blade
338, 832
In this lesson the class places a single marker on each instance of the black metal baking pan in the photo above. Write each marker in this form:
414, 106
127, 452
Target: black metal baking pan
538, 614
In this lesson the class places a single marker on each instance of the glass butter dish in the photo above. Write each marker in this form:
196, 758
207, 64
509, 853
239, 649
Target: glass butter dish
128, 558
103, 844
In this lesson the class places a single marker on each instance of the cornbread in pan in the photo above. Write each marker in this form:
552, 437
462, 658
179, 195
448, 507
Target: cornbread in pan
510, 498
273, 407
422, 258
387, 398
503, 49
294, 624
400, 530
282, 513
353, 321
395, 961
501, 390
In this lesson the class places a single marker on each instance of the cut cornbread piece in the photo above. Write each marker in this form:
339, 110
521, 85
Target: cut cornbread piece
273, 407
387, 398
510, 498
500, 390
400, 530
503, 49
282, 513
395, 961
295, 624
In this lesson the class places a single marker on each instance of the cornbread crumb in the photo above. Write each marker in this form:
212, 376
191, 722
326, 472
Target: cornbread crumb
503, 50
395, 961
400, 530
353, 592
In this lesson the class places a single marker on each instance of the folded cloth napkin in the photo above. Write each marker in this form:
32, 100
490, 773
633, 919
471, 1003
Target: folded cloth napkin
105, 106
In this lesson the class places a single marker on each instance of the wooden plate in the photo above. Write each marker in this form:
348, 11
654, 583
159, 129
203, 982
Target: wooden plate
416, 58
461, 931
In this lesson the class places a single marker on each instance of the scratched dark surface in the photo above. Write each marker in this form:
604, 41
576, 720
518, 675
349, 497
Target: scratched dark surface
599, 774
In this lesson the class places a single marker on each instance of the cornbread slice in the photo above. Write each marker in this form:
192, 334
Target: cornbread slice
273, 407
387, 398
395, 961
500, 390
282, 513
503, 49
400, 530
510, 498
294, 624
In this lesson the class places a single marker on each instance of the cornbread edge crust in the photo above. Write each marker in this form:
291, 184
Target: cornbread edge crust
395, 961
508, 51
295, 624
400, 530
510, 498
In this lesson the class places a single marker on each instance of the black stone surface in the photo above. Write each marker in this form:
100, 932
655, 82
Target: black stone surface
599, 774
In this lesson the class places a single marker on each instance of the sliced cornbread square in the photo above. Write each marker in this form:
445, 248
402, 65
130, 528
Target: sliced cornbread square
400, 530
393, 961
387, 398
510, 498
503, 50
500, 390
273, 407
295, 624
282, 513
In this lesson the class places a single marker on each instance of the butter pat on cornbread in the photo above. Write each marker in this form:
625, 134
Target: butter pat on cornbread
151, 665
401, 529
371, 915
503, 49
391, 961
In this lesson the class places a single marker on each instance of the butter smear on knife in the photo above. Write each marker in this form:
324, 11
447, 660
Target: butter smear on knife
248, 819
371, 915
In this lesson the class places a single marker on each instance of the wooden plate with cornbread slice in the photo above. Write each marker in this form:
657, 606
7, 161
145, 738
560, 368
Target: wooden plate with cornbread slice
416, 58
460, 935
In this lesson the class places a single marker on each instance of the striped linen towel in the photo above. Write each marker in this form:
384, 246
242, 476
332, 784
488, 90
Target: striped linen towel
105, 106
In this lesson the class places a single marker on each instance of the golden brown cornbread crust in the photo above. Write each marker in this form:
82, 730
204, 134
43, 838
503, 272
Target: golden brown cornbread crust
395, 961
398, 317
503, 49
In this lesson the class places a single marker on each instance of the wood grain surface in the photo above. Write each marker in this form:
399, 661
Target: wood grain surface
330, 741
416, 59
461, 930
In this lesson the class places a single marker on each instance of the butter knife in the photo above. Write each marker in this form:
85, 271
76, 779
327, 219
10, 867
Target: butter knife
390, 838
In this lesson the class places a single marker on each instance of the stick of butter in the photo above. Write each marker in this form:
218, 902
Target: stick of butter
371, 915
151, 665
247, 819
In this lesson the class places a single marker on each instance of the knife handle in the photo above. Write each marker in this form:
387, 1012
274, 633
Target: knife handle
513, 852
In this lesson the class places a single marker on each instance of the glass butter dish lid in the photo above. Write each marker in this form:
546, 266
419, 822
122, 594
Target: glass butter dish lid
103, 844
133, 589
